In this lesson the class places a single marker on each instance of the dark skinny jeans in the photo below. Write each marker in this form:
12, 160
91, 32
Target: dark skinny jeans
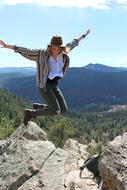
55, 101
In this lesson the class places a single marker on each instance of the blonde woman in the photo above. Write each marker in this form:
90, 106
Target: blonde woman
52, 64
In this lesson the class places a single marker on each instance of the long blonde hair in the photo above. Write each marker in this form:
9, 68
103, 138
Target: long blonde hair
63, 50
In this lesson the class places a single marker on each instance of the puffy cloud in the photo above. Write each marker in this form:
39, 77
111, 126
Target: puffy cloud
102, 4
121, 1
76, 3
123, 60
98, 4
13, 2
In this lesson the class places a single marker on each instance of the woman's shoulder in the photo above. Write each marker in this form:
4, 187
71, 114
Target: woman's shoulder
43, 51
65, 55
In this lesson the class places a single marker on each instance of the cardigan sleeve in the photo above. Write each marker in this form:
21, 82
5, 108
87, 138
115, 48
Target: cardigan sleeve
31, 54
72, 45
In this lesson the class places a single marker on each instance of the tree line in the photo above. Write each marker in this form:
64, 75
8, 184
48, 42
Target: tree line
85, 124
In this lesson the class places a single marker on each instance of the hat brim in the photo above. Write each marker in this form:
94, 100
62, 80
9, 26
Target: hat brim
62, 46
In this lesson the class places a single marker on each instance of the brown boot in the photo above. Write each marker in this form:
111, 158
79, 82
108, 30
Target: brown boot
28, 115
38, 106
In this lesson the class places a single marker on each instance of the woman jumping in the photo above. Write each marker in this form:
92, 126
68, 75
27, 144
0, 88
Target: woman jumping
52, 63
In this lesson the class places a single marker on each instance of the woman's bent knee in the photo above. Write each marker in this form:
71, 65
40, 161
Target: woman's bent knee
59, 111
55, 111
64, 110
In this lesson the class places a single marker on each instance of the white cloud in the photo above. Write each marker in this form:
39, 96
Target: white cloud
102, 4
121, 1
98, 4
123, 60
13, 2
76, 3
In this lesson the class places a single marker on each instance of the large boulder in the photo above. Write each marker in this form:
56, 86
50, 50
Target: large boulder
23, 155
113, 165
76, 155
28, 161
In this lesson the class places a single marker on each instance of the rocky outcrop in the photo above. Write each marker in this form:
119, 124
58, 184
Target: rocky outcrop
76, 154
28, 161
113, 165
23, 154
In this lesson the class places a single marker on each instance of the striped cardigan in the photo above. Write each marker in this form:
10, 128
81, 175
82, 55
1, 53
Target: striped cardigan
41, 56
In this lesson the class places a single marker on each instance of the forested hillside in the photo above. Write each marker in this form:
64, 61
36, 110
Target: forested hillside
80, 86
11, 112
93, 122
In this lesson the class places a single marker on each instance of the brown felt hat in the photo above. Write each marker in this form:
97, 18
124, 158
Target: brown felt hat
56, 41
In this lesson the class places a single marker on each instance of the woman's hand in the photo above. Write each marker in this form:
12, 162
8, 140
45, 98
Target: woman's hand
87, 32
83, 36
4, 45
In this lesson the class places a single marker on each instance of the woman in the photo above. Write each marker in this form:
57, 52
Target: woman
52, 64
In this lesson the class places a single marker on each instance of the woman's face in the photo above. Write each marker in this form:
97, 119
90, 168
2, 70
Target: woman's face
55, 50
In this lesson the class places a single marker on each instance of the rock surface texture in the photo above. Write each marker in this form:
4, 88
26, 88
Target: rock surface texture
113, 165
28, 161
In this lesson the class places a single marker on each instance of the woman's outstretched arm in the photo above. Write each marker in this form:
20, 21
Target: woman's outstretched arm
25, 52
76, 41
4, 45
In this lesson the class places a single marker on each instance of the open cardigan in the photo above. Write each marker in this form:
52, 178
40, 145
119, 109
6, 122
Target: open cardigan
41, 57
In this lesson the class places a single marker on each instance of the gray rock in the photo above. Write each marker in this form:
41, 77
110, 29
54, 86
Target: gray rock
113, 166
31, 132
51, 175
23, 158
28, 161
76, 155
3, 145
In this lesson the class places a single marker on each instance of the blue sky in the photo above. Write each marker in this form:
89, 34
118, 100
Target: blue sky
32, 23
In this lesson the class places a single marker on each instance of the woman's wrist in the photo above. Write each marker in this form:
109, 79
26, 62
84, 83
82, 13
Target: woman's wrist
9, 46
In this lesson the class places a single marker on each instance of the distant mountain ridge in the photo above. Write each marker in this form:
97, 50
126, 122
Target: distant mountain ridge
32, 70
104, 68
81, 85
24, 70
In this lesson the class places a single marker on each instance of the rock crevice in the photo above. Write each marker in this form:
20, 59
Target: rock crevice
29, 161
